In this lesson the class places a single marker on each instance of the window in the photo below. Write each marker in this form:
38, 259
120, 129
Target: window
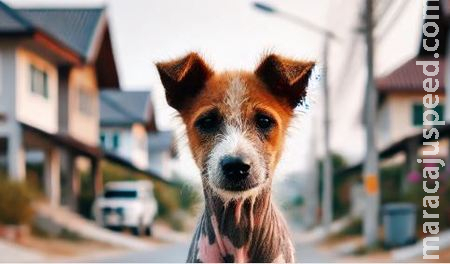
38, 81
419, 109
120, 194
115, 140
103, 140
440, 110
418, 114
110, 140
85, 102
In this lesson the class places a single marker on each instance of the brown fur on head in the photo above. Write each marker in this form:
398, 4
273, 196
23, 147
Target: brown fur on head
235, 114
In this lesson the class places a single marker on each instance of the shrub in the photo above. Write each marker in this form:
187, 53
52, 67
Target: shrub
354, 228
15, 202
172, 198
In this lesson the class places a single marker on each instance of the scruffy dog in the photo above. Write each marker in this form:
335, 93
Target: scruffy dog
236, 124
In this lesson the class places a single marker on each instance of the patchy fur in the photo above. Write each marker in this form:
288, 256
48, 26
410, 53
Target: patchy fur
243, 115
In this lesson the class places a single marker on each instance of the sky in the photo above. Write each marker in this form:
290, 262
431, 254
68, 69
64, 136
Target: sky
230, 34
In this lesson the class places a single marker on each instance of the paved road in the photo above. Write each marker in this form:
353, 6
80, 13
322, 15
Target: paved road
177, 253
308, 253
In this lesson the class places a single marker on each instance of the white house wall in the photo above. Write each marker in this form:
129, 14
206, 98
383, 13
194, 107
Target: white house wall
140, 146
400, 111
10, 128
7, 84
33, 109
383, 125
125, 143
156, 162
133, 144
83, 126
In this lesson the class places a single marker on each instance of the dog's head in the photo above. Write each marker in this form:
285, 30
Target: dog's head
235, 121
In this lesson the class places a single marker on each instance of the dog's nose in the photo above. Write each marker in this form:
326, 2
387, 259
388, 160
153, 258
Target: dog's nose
234, 167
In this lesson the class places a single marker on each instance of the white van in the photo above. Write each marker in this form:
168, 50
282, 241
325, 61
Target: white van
127, 204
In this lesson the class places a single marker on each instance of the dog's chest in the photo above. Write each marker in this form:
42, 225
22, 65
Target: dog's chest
221, 250
240, 234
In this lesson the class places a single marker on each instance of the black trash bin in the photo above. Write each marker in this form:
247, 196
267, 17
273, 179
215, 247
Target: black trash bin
399, 220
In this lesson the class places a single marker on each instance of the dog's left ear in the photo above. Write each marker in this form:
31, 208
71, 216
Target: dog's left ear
285, 78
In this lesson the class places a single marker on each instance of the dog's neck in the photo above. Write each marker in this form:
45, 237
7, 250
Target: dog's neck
242, 230
238, 218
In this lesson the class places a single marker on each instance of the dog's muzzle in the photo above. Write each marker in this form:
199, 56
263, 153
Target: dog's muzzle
234, 164
236, 174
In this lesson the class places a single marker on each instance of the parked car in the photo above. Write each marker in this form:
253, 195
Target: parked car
127, 204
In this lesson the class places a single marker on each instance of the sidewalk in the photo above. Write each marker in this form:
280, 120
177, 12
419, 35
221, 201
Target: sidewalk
318, 234
307, 243
312, 246
15, 253
310, 253
173, 248
88, 229
416, 250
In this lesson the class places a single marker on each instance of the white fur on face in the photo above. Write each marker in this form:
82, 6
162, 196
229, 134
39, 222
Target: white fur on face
235, 142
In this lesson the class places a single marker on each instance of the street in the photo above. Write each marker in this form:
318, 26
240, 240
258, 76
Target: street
171, 253
177, 252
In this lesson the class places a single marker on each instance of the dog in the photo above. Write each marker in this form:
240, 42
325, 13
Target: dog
236, 123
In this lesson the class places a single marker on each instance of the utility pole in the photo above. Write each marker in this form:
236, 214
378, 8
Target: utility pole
371, 177
327, 200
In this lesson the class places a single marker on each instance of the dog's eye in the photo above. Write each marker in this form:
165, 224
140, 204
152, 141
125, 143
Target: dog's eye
208, 123
264, 122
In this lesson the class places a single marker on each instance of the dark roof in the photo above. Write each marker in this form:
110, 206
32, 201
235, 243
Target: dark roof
409, 77
75, 27
123, 108
11, 22
160, 141
72, 33
67, 141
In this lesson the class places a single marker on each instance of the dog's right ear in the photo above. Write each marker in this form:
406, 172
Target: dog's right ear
183, 78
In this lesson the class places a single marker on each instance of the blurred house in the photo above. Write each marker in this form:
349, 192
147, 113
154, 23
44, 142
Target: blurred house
128, 130
401, 91
399, 44
161, 152
52, 65
125, 119
401, 97
401, 108
401, 101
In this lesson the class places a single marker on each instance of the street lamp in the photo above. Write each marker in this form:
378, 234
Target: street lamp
294, 19
328, 166
264, 7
